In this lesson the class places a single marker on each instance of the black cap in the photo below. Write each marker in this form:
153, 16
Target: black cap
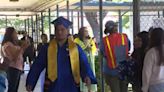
109, 26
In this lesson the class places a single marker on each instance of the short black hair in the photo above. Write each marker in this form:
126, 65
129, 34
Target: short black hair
43, 35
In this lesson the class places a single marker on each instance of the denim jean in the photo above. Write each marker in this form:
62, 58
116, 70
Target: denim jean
157, 88
3, 77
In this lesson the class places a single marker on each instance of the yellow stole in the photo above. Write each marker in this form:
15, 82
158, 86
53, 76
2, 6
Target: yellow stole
74, 60
83, 45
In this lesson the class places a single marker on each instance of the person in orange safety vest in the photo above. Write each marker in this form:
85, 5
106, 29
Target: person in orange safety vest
115, 49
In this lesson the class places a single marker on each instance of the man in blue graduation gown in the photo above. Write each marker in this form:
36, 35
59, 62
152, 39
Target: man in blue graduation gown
65, 62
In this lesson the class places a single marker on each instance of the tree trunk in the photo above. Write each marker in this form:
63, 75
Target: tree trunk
93, 18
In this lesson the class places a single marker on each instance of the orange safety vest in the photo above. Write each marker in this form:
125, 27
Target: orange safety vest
110, 42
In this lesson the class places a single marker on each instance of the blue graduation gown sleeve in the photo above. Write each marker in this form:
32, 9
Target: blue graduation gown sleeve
85, 69
37, 67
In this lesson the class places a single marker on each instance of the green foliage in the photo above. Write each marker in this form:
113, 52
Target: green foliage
2, 23
16, 23
46, 24
125, 21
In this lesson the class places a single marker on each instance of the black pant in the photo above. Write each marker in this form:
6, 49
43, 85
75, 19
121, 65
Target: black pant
13, 76
115, 84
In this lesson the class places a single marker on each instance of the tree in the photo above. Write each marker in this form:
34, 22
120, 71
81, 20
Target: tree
16, 23
93, 19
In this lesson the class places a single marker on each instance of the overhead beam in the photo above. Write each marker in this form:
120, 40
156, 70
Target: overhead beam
14, 15
68, 9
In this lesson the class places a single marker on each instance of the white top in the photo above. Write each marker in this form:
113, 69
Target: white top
152, 73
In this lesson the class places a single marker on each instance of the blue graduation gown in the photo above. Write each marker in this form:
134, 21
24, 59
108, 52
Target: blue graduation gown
65, 81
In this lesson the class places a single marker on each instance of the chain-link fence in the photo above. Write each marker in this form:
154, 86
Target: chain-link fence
151, 14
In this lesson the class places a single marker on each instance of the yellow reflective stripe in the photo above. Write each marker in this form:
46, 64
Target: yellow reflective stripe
110, 51
123, 40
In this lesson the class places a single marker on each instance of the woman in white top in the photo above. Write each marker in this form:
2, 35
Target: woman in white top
153, 70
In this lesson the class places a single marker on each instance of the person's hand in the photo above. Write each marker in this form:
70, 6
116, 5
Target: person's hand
29, 88
25, 44
87, 81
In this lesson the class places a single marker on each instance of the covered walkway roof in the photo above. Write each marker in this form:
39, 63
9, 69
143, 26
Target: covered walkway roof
31, 7
113, 6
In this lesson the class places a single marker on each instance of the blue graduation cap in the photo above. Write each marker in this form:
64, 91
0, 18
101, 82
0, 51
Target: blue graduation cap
62, 21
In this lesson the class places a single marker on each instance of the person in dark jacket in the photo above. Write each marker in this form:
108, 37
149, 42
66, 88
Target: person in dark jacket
140, 45
44, 41
30, 51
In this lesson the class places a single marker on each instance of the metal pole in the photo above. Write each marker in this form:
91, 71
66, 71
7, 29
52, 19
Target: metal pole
37, 30
101, 36
39, 23
120, 21
78, 20
68, 9
28, 25
34, 32
42, 22
72, 21
57, 10
32, 26
6, 20
136, 17
158, 14
81, 11
49, 18
25, 25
